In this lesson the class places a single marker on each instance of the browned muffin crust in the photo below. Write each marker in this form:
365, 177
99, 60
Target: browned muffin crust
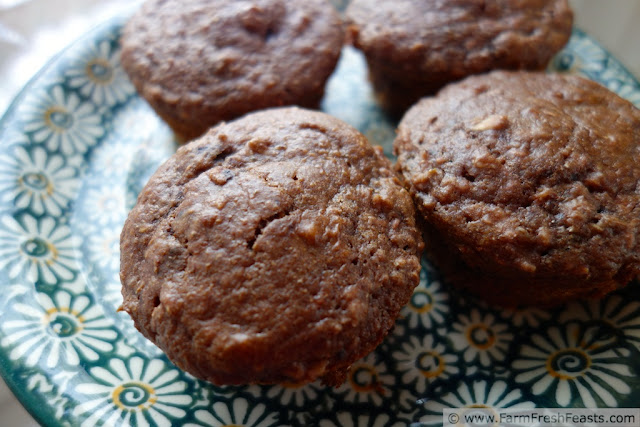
529, 184
198, 62
278, 247
414, 47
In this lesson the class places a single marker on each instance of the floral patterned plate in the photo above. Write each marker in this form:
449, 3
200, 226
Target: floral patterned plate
77, 146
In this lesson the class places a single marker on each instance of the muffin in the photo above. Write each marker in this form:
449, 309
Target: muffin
415, 47
276, 248
529, 185
199, 62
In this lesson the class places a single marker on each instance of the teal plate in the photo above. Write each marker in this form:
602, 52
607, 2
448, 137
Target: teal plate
77, 146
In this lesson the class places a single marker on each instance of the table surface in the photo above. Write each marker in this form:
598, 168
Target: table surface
29, 28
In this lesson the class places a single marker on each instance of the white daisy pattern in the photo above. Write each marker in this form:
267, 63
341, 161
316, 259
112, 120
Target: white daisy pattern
112, 159
477, 395
110, 295
103, 257
526, 316
136, 121
62, 121
567, 368
40, 182
97, 74
349, 419
62, 328
140, 391
630, 93
368, 381
12, 137
104, 205
103, 248
481, 337
582, 55
607, 319
428, 305
424, 361
621, 86
294, 394
41, 248
47, 385
237, 412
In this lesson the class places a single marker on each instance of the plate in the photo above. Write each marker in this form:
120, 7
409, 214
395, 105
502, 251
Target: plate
77, 146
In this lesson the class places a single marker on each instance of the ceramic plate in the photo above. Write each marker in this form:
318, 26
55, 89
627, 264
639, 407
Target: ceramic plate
77, 146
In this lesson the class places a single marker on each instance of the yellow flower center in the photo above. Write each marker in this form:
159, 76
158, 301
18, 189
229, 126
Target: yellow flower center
99, 71
134, 396
480, 336
568, 364
63, 321
430, 364
364, 378
421, 301
58, 119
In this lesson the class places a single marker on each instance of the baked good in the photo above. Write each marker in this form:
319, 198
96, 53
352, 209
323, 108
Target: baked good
279, 247
199, 62
415, 47
529, 185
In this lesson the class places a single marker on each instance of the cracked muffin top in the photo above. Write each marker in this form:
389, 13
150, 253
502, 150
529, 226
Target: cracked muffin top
198, 62
278, 247
531, 177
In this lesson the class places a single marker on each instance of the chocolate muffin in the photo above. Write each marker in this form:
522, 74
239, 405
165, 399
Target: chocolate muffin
415, 47
529, 185
276, 248
199, 62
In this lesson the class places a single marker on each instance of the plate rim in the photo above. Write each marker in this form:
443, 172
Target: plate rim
43, 414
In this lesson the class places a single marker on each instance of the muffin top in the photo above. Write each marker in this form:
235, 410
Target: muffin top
450, 39
278, 247
218, 59
534, 170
